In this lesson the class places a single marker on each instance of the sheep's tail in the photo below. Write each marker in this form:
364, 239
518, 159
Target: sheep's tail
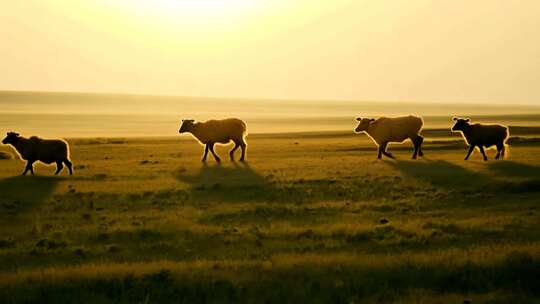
506, 147
244, 129
506, 150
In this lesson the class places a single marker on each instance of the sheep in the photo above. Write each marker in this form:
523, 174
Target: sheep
480, 135
35, 149
217, 131
385, 130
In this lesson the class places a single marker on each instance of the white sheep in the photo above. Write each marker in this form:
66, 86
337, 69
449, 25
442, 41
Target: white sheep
218, 131
35, 149
385, 130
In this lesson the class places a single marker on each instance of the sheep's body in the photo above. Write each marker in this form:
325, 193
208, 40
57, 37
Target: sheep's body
482, 136
385, 130
218, 131
396, 129
35, 149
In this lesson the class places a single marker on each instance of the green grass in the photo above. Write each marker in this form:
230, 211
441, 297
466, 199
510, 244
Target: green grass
310, 218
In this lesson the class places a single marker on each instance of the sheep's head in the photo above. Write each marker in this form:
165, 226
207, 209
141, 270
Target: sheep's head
186, 125
11, 138
363, 124
460, 124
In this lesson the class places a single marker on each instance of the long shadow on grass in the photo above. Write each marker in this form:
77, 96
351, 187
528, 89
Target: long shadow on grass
514, 169
21, 194
453, 177
239, 183
528, 175
442, 174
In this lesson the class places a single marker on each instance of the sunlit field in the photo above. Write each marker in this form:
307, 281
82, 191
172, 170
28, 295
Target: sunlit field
310, 217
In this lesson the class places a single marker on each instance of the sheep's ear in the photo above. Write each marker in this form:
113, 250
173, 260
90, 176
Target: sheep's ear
372, 120
467, 120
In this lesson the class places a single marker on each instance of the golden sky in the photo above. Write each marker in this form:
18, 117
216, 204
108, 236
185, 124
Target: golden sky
415, 50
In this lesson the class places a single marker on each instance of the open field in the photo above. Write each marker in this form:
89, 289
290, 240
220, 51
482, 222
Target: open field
311, 217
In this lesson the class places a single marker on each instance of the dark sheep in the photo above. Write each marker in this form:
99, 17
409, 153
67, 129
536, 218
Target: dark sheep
35, 149
482, 136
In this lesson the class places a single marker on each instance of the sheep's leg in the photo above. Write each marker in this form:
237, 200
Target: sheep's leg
236, 146
388, 154
420, 142
500, 151
483, 152
29, 167
417, 141
69, 166
206, 149
471, 149
379, 156
26, 169
243, 145
59, 167
503, 150
383, 150
214, 153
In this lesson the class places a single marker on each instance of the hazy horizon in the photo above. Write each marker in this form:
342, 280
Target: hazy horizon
408, 50
117, 115
531, 105
118, 103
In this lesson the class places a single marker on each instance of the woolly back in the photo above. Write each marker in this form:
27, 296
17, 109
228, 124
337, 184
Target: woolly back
35, 139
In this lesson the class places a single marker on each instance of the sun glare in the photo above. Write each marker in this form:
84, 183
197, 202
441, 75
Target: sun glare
192, 5
208, 12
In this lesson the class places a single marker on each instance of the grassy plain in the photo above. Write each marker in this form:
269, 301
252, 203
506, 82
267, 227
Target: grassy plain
311, 217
